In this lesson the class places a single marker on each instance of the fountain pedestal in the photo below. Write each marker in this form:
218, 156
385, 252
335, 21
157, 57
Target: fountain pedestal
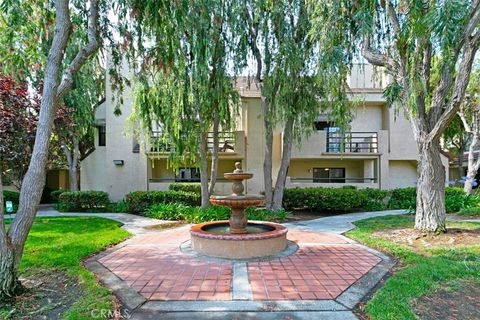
237, 238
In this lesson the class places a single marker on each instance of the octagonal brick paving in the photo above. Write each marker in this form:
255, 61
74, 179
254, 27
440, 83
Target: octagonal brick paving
324, 266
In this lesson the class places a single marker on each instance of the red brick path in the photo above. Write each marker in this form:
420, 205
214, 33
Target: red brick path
323, 267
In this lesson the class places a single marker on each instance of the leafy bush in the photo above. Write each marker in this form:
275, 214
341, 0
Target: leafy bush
186, 187
213, 213
375, 199
55, 194
263, 214
403, 198
324, 199
79, 201
178, 211
472, 211
139, 202
117, 207
11, 196
455, 199
349, 187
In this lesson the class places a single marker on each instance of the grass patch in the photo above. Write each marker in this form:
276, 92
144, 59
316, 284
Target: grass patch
58, 244
420, 273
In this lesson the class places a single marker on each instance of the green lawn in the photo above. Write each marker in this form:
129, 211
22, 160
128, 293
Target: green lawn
419, 273
58, 244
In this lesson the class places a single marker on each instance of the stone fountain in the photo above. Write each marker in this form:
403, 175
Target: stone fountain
237, 238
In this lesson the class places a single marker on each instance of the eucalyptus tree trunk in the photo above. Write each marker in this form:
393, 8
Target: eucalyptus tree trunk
204, 170
430, 213
267, 160
12, 242
72, 161
282, 172
8, 281
473, 165
215, 150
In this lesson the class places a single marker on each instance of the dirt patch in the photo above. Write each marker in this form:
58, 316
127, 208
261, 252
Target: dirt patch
457, 300
420, 241
46, 296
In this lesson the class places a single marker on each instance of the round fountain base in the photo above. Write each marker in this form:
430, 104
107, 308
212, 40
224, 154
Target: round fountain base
264, 239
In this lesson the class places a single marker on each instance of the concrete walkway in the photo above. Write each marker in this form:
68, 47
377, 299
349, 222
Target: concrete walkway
156, 276
340, 223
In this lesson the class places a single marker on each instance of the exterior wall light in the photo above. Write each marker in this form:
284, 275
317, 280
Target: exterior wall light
118, 162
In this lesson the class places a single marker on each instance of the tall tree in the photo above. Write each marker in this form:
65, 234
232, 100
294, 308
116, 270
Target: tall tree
75, 119
182, 82
469, 114
297, 74
57, 82
428, 48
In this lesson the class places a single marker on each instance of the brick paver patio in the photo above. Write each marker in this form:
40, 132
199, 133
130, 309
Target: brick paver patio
324, 266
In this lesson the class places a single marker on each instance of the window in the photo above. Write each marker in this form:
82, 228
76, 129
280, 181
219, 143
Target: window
188, 175
102, 135
323, 125
329, 175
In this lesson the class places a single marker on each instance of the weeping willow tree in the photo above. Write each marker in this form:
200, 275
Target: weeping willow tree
428, 48
183, 85
299, 70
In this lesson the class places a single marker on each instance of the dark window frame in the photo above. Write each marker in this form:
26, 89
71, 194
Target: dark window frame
102, 136
194, 175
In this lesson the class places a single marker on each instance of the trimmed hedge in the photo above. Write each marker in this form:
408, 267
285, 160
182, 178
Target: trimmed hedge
194, 187
79, 201
55, 194
139, 202
349, 199
324, 199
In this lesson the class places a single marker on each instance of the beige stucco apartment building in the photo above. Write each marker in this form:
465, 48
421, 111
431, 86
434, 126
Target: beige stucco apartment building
379, 149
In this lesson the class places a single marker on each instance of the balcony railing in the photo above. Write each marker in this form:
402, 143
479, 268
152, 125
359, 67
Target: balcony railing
356, 142
334, 180
226, 142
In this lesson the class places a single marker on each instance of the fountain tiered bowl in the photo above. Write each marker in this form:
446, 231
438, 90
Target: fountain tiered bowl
238, 238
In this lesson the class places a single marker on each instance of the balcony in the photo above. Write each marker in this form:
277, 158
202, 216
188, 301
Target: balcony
352, 142
323, 144
231, 143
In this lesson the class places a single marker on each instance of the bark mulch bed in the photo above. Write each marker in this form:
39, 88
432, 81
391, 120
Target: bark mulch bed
458, 300
419, 241
46, 296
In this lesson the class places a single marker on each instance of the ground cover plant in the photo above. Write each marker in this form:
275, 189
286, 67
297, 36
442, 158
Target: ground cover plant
427, 263
181, 212
53, 254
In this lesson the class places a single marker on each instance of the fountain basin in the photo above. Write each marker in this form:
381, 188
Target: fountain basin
214, 239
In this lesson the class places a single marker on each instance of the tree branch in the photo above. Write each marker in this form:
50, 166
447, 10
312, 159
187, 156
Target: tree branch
84, 53
376, 58
466, 126
458, 92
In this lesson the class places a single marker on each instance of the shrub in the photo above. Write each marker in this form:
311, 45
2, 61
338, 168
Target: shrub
455, 199
169, 211
82, 201
349, 187
403, 198
324, 199
139, 202
55, 194
375, 199
117, 207
472, 211
266, 215
186, 187
213, 213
